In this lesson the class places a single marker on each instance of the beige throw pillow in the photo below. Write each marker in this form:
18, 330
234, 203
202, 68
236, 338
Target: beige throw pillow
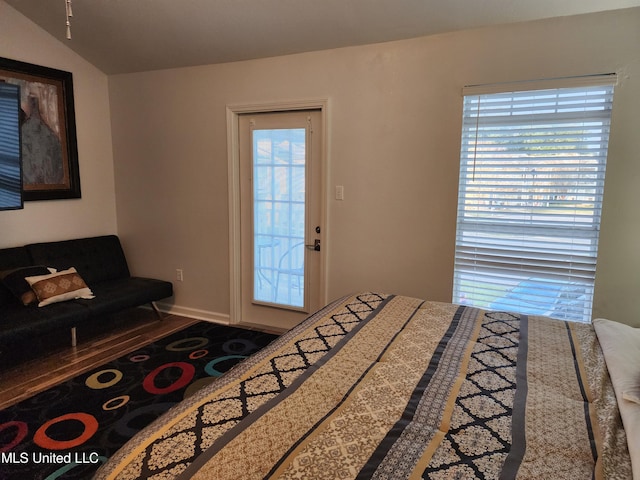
59, 286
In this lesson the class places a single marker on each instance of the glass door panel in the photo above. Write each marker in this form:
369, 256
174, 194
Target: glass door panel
279, 162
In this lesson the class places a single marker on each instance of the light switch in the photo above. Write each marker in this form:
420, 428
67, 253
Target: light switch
339, 192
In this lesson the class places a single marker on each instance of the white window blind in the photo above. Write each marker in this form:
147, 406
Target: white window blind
532, 169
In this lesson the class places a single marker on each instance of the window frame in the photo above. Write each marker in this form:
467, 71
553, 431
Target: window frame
471, 267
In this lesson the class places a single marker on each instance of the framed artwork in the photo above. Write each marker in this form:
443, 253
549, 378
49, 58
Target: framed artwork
48, 130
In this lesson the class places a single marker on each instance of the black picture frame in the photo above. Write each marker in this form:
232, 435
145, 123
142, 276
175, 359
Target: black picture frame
48, 129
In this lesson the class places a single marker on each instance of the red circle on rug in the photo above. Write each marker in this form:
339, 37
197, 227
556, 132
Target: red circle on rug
20, 433
188, 371
198, 354
90, 427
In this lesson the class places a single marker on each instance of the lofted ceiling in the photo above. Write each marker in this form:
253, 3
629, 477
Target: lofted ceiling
121, 36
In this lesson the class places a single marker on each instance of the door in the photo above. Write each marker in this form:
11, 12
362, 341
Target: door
280, 216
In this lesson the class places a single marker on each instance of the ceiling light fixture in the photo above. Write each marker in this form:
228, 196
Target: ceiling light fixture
69, 15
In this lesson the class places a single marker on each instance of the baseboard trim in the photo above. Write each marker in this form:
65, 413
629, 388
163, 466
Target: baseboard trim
195, 313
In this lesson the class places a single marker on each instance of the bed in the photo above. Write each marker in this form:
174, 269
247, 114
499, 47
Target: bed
387, 386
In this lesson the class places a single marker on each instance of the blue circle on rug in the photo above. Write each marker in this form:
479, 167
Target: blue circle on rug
124, 427
215, 373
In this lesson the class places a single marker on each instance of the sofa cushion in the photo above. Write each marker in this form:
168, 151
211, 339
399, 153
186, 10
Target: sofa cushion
15, 281
126, 293
21, 324
97, 259
59, 287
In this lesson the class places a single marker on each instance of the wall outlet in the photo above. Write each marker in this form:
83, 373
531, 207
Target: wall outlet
179, 275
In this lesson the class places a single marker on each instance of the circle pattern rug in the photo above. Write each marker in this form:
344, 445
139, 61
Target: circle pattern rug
68, 431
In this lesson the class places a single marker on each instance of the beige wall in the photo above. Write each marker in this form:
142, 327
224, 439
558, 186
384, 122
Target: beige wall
394, 132
95, 212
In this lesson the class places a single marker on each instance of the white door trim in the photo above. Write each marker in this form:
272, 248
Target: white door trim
233, 158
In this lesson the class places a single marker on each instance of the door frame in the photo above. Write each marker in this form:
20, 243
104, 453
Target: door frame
233, 157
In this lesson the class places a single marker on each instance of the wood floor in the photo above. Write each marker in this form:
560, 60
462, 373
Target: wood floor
33, 376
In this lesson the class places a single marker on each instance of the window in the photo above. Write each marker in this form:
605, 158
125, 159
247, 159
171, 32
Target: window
532, 168
10, 166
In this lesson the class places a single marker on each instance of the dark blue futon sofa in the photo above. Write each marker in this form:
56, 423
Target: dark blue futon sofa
99, 261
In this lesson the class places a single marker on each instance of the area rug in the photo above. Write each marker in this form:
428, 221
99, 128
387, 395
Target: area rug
68, 431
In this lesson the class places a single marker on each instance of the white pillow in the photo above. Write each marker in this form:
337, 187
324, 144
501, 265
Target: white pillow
632, 394
621, 347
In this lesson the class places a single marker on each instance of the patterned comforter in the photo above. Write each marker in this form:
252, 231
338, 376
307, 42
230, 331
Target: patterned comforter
384, 386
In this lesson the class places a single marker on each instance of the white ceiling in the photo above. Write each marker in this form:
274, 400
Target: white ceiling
120, 36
